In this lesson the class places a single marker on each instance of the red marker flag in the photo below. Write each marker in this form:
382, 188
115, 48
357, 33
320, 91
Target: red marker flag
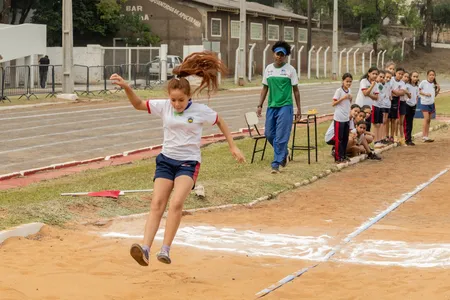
109, 194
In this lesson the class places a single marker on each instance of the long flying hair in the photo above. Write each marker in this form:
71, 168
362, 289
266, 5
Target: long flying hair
202, 64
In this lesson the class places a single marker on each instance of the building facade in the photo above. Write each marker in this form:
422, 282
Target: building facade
215, 24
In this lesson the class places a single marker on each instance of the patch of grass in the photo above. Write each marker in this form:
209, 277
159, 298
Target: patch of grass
225, 182
443, 105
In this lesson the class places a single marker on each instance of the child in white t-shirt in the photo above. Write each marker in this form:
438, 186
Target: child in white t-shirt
342, 100
386, 105
367, 88
178, 164
411, 102
428, 90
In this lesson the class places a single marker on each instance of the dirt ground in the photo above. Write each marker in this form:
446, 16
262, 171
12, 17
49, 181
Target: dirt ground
78, 263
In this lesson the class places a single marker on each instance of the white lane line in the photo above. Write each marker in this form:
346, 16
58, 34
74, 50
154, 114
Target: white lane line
366, 225
147, 121
52, 158
65, 112
76, 140
144, 142
66, 123
73, 131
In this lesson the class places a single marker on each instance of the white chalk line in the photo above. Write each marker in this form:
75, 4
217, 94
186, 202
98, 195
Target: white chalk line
352, 235
311, 248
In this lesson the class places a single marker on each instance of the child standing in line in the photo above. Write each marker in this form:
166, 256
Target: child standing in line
428, 90
178, 164
390, 66
342, 100
397, 88
386, 105
413, 89
367, 88
402, 107
377, 114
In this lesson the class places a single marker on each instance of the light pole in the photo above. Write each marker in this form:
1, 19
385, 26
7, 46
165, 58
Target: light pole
67, 44
335, 39
242, 41
309, 42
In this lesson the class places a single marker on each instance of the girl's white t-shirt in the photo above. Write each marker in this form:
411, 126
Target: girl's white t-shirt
182, 132
342, 110
427, 87
380, 88
386, 100
414, 91
361, 99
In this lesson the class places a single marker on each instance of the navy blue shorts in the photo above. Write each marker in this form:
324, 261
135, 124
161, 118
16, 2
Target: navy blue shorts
170, 168
429, 108
385, 110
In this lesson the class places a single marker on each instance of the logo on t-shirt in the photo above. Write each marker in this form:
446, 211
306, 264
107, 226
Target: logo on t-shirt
190, 120
283, 72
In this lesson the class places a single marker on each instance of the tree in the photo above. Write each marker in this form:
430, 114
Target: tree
440, 17
136, 32
4, 11
429, 23
300, 7
373, 14
20, 10
92, 19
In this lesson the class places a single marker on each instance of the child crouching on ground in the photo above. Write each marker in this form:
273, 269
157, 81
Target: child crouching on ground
357, 143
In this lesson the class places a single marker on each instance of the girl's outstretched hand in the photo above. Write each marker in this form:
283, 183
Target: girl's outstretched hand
237, 154
118, 80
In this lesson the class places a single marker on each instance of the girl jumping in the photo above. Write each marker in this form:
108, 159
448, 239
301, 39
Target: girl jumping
178, 164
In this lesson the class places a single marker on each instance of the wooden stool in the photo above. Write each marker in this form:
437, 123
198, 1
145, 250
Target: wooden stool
310, 118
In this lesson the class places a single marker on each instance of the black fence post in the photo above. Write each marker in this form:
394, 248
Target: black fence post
2, 83
28, 82
105, 89
52, 92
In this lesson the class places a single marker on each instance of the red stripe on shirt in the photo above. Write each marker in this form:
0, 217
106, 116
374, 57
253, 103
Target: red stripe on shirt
217, 119
148, 107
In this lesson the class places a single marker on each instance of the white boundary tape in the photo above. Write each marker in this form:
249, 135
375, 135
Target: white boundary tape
352, 235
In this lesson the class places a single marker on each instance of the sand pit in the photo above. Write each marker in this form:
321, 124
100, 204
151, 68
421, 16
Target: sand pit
235, 253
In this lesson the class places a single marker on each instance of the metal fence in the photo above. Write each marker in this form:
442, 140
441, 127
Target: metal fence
35, 80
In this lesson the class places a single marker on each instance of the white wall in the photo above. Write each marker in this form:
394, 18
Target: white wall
87, 56
439, 45
22, 40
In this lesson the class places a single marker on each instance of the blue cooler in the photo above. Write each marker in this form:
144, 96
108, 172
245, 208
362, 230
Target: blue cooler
419, 114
